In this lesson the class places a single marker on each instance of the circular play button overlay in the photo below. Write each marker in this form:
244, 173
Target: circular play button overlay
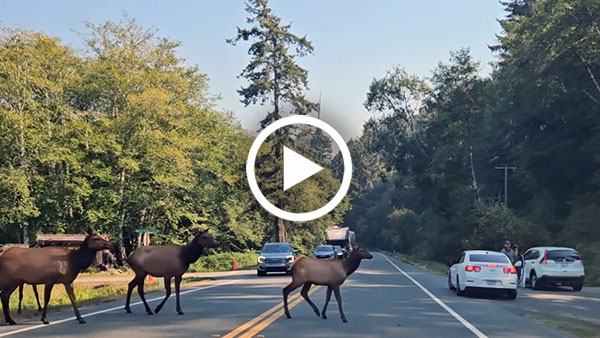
297, 168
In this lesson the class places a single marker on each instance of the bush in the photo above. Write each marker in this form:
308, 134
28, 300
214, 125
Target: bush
224, 261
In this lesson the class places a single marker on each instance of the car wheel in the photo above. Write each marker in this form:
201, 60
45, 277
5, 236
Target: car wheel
577, 287
511, 294
450, 286
535, 283
261, 273
458, 291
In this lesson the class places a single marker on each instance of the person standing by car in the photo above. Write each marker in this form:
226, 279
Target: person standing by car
511, 252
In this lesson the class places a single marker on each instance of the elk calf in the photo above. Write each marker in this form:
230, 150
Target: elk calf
308, 271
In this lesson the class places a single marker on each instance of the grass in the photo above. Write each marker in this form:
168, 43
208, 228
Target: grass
224, 261
569, 326
85, 293
431, 266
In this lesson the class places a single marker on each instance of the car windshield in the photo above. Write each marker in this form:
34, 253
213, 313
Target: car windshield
324, 248
337, 247
272, 248
561, 255
486, 258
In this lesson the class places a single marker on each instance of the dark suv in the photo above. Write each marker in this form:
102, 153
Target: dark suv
275, 257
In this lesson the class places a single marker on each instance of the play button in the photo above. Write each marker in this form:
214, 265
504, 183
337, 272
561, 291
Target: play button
296, 168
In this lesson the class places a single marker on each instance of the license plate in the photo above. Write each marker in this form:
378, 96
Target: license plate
564, 265
491, 282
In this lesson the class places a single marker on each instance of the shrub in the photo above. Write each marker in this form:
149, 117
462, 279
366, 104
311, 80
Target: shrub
224, 261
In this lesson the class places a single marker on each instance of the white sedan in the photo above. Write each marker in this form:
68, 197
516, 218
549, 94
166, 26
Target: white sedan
483, 270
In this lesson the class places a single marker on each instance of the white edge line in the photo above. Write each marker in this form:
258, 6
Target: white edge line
107, 310
440, 303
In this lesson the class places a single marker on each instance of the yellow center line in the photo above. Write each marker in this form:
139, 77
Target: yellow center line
263, 325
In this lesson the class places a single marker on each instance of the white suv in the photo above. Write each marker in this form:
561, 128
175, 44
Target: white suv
552, 265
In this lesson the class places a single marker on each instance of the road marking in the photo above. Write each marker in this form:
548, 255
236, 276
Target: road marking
272, 314
108, 310
440, 303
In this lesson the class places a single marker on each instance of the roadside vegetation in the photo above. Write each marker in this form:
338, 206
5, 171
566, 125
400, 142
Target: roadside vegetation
224, 261
570, 326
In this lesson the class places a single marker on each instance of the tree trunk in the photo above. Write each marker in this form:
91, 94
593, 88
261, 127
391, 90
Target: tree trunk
121, 255
280, 233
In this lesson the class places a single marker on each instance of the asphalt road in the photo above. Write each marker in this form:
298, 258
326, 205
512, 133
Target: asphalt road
384, 298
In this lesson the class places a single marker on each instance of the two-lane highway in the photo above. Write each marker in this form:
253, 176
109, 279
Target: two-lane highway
384, 298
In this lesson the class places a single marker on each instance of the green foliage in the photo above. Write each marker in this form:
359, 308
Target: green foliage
437, 192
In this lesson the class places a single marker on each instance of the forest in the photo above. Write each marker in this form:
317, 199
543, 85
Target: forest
426, 178
124, 135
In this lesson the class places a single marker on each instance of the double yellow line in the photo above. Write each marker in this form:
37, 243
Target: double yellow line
256, 325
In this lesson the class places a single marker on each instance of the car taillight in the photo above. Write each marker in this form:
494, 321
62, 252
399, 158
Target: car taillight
579, 255
545, 259
472, 268
512, 270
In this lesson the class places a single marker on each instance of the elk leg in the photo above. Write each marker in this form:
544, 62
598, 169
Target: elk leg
338, 298
168, 293
304, 294
141, 293
5, 297
327, 298
177, 287
134, 282
286, 291
47, 292
37, 296
20, 297
69, 289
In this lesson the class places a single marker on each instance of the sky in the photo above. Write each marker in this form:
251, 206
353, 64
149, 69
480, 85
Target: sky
354, 41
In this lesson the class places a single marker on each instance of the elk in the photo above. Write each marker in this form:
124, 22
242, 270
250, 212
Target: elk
166, 261
48, 266
308, 271
35, 292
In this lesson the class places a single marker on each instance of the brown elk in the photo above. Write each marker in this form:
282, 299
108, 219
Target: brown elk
48, 266
35, 292
308, 271
166, 261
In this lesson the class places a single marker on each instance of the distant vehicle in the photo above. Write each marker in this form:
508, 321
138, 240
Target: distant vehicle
341, 236
325, 252
483, 270
275, 257
340, 252
551, 266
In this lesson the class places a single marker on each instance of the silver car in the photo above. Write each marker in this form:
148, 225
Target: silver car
275, 257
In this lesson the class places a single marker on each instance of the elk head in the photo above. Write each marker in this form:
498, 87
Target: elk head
203, 239
96, 243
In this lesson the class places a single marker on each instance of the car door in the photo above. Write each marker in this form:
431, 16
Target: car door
456, 268
530, 259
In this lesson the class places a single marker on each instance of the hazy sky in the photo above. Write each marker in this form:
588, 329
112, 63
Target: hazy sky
354, 41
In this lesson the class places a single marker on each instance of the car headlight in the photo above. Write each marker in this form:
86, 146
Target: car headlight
261, 259
289, 259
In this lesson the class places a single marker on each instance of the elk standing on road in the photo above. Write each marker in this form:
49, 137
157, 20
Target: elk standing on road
308, 271
48, 266
166, 261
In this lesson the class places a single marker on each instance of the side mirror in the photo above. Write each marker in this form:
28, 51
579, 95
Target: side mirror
295, 252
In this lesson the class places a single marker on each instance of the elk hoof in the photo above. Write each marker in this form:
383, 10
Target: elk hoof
317, 312
157, 309
45, 322
344, 320
288, 315
150, 313
128, 310
323, 316
82, 321
180, 313
12, 322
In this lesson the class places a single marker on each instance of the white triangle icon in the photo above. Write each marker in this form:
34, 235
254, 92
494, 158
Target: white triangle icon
296, 168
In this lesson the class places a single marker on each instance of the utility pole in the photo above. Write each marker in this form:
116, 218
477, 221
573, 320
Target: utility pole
506, 168
319, 111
